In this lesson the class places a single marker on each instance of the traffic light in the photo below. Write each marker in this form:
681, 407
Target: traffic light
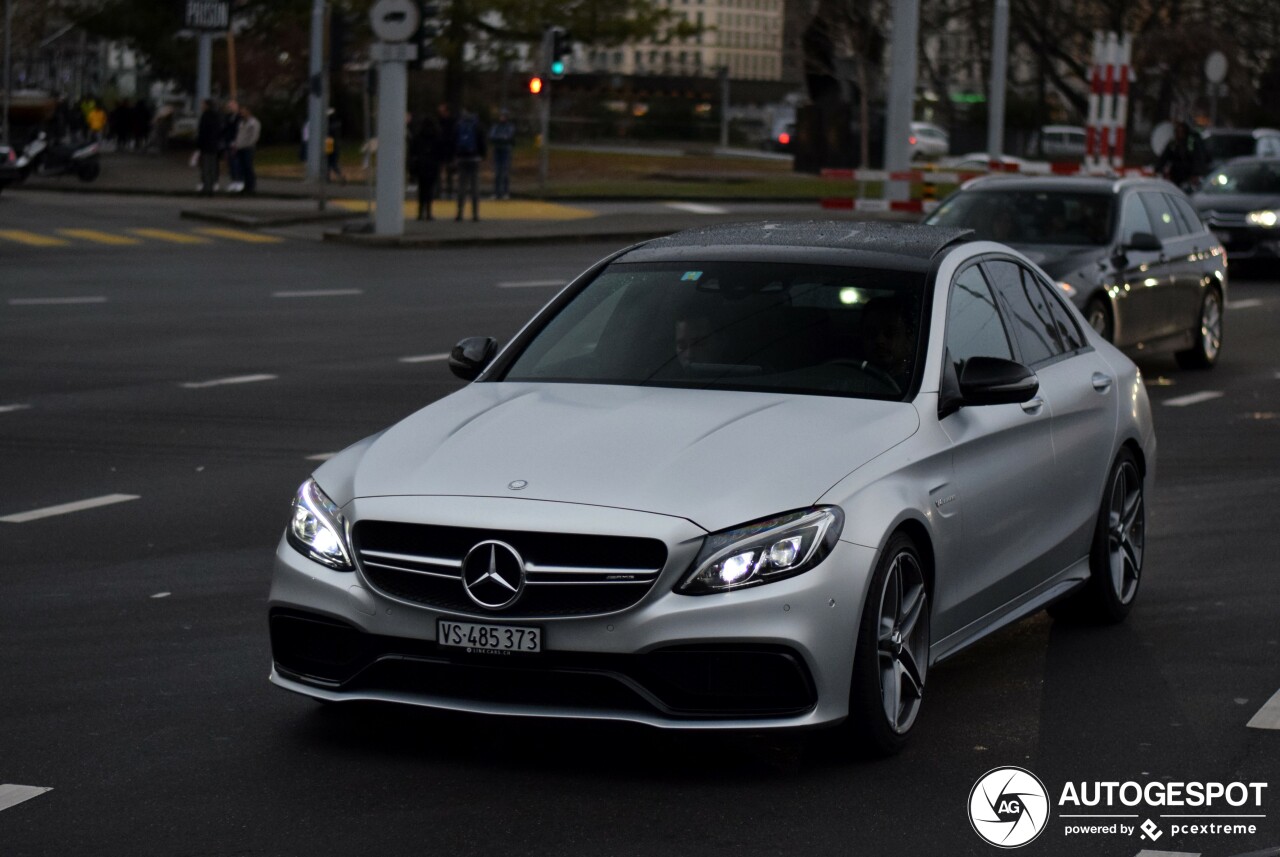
431, 28
535, 85
561, 47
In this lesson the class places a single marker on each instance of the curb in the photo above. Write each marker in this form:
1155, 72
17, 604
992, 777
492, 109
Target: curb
428, 242
138, 191
268, 221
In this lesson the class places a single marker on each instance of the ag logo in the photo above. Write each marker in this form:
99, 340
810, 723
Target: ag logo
1008, 807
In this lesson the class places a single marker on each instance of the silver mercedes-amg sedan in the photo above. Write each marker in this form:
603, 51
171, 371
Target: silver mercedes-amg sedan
748, 476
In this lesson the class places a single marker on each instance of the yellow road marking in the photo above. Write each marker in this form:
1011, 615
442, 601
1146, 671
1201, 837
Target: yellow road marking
99, 237
490, 209
32, 238
240, 235
171, 237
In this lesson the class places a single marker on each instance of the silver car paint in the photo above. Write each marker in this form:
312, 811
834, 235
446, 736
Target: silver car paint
648, 460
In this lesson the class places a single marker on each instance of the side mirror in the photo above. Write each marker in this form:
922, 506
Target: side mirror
471, 355
996, 381
1145, 242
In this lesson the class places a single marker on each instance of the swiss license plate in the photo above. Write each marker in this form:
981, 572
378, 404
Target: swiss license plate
475, 637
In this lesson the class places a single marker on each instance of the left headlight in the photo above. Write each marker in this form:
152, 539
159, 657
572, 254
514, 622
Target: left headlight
318, 530
1265, 218
764, 551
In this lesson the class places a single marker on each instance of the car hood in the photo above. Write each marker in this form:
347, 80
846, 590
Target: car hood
1235, 202
717, 458
1060, 261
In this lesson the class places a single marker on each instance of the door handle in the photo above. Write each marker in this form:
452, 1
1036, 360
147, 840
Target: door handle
1033, 406
1102, 383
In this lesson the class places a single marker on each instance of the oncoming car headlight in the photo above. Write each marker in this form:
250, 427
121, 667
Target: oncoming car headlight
318, 530
764, 551
1265, 218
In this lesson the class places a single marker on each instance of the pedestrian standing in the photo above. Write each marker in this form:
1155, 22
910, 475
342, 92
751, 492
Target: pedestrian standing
448, 128
331, 146
230, 128
246, 141
469, 151
425, 151
209, 144
97, 122
1183, 159
502, 137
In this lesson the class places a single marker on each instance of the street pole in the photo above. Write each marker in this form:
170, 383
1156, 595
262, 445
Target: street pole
204, 70
544, 136
231, 63
393, 98
723, 74
902, 92
8, 65
999, 69
317, 130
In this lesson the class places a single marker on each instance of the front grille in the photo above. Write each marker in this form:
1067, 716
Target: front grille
1225, 219
689, 681
567, 574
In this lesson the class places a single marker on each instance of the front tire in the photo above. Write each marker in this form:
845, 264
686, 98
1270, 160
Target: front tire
892, 658
1208, 336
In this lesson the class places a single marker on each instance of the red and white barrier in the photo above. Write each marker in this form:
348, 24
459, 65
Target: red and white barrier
1109, 79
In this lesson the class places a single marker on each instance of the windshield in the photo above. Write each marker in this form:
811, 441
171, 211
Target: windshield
1224, 147
1251, 177
1030, 216
810, 329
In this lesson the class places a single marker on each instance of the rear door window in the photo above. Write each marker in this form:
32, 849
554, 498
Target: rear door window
1134, 219
1194, 224
974, 328
1163, 220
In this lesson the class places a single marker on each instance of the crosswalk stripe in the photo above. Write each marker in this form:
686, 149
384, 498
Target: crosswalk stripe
171, 237
98, 237
32, 238
239, 235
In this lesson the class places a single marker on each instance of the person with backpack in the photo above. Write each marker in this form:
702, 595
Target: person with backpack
469, 150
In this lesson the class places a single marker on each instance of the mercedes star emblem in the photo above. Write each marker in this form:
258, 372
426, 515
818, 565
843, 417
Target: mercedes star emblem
518, 485
493, 574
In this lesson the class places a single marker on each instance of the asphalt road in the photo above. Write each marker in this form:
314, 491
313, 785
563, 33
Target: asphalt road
133, 645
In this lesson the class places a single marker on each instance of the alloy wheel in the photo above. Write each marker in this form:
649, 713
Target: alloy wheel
903, 641
1211, 326
1126, 526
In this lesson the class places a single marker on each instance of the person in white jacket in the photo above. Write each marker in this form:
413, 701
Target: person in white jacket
246, 139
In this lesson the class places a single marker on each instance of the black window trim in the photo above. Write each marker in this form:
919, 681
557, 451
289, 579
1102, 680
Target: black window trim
1048, 361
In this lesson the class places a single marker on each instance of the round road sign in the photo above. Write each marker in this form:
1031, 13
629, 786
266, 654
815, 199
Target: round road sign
394, 20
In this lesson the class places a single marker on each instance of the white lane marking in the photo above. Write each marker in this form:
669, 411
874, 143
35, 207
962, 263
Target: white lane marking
1192, 399
11, 795
162, 595
1245, 304
94, 299
1268, 716
218, 382
697, 208
424, 358
8, 409
317, 293
530, 284
67, 508
322, 456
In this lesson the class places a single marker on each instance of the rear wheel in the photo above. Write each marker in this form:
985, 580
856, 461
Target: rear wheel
1208, 336
1119, 542
892, 658
88, 171
1098, 314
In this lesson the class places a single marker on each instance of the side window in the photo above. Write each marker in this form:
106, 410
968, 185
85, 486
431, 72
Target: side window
1133, 218
1068, 333
1188, 213
974, 328
1163, 220
1031, 320
1269, 146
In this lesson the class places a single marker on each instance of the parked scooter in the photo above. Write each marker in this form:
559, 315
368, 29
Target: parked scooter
41, 158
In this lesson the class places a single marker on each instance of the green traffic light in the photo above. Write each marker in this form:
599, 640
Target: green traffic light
557, 67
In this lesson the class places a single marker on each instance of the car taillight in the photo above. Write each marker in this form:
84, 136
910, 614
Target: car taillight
784, 138
911, 140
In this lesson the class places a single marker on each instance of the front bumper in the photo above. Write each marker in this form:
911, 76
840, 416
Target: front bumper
778, 655
1248, 242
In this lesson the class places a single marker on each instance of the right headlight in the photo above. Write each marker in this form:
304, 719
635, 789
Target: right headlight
318, 530
764, 551
1266, 218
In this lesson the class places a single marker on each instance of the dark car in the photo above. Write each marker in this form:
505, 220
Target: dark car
1131, 254
9, 172
1224, 144
1241, 204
